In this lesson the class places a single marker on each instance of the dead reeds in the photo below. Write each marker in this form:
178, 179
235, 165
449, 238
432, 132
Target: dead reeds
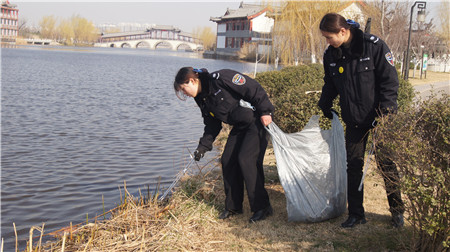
143, 223
187, 221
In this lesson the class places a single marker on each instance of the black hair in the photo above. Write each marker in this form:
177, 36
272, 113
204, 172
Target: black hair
333, 22
183, 76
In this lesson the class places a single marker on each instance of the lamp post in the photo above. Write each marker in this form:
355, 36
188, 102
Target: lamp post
420, 17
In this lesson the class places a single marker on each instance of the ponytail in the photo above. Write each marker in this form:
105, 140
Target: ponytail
201, 72
353, 24
333, 22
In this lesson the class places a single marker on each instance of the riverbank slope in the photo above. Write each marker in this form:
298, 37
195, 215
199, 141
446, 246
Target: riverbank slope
188, 221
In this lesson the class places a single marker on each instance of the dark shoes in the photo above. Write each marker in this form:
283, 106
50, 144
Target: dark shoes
352, 221
257, 216
261, 214
397, 220
228, 213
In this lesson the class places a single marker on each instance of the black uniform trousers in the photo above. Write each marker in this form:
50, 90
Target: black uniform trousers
355, 142
242, 161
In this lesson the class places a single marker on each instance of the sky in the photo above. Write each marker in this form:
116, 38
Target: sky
181, 14
186, 15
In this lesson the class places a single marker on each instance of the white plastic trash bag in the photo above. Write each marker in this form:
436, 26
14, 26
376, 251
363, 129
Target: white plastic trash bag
312, 169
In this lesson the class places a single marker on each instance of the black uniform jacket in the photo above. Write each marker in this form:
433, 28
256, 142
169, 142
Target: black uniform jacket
219, 102
363, 76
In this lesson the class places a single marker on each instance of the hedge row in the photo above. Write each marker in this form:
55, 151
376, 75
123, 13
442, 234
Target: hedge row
418, 140
295, 92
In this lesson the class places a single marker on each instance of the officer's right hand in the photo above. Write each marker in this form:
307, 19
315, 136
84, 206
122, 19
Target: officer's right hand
198, 154
328, 114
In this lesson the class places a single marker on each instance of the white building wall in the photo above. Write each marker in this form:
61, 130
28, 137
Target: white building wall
262, 24
354, 12
220, 41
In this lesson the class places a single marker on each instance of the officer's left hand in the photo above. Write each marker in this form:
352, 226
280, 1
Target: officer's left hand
198, 154
266, 119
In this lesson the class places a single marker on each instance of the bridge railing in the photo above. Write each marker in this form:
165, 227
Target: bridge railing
109, 38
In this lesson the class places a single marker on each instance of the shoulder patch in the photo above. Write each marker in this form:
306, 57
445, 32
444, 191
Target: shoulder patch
389, 58
238, 79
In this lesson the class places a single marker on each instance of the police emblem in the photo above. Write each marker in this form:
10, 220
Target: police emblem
389, 58
238, 79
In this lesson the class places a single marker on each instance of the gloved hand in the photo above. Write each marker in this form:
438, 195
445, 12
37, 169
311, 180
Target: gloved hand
198, 154
328, 114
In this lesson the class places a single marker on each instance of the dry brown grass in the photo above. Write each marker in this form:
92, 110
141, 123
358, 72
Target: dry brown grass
188, 222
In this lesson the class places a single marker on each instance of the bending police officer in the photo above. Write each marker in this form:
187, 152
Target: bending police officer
238, 100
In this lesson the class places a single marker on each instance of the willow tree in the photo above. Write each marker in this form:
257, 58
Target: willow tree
84, 30
296, 34
48, 27
74, 30
444, 29
206, 35
65, 32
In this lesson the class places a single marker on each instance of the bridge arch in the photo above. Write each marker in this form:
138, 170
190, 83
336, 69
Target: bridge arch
164, 44
125, 45
184, 45
142, 44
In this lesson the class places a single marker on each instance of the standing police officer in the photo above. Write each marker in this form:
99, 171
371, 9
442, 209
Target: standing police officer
236, 99
360, 69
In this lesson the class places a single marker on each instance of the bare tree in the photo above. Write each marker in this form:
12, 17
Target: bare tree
22, 27
390, 21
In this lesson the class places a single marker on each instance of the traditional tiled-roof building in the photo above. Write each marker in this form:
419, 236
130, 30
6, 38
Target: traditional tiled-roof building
354, 10
9, 21
247, 24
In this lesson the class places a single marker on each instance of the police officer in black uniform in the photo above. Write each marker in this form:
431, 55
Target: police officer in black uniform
238, 100
359, 68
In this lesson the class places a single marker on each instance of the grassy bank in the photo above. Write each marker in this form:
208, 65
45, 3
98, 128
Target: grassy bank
188, 221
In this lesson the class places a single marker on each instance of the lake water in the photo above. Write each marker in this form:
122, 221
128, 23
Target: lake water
78, 122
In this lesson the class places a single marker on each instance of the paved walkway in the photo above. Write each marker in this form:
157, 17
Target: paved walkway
426, 90
435, 82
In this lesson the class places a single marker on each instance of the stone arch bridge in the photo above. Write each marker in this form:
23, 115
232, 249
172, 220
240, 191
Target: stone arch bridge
163, 36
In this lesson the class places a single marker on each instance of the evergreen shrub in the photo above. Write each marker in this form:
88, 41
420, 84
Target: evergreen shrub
290, 88
417, 139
